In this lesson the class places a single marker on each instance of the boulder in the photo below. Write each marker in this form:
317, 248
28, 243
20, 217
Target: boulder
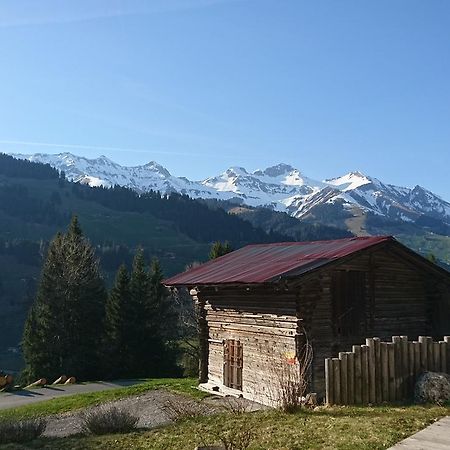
432, 387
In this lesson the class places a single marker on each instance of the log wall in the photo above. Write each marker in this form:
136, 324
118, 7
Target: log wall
263, 320
400, 299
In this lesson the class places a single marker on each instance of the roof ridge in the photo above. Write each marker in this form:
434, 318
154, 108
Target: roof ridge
263, 262
352, 238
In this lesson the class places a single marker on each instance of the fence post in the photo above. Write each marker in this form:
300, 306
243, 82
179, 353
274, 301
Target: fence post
436, 357
344, 383
398, 367
404, 367
417, 359
411, 365
447, 341
391, 359
337, 381
378, 374
384, 372
351, 377
443, 356
365, 374
371, 369
423, 353
358, 395
329, 381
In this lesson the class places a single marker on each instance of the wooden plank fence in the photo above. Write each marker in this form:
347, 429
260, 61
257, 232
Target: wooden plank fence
383, 371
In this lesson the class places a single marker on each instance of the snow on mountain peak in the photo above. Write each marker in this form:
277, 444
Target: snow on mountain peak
155, 167
349, 181
280, 187
235, 171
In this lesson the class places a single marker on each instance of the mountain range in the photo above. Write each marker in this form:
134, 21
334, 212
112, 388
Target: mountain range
346, 201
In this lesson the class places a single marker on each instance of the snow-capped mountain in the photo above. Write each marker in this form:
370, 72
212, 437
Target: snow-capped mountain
281, 187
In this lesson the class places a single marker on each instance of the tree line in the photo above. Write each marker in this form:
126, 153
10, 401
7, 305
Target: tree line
76, 327
21, 168
190, 216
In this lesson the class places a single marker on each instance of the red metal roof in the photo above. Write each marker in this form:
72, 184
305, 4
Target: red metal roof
262, 263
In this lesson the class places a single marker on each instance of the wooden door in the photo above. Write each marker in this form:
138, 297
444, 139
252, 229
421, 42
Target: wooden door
232, 364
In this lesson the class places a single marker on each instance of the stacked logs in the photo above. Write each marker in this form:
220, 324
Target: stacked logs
6, 381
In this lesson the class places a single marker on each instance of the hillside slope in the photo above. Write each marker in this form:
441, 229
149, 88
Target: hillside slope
36, 202
281, 188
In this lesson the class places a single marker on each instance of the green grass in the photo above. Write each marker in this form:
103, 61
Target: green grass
343, 428
78, 401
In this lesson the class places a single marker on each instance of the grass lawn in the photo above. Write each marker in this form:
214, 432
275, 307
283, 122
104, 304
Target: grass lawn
78, 401
345, 428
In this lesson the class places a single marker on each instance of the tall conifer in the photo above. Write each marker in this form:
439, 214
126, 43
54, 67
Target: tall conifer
64, 329
119, 324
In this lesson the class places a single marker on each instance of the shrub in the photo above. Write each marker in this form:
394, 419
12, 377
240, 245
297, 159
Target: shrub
108, 419
21, 431
177, 409
291, 379
236, 405
237, 435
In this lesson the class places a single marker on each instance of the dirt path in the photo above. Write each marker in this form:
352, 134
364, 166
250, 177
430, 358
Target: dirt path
149, 407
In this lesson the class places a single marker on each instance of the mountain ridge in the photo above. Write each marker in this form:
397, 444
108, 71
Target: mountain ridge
280, 187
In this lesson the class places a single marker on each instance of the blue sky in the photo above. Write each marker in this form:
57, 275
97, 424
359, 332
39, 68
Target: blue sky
200, 85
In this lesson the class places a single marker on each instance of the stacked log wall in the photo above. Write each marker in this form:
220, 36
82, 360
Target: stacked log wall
401, 298
264, 321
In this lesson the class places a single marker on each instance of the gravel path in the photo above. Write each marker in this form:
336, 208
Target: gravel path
19, 398
151, 408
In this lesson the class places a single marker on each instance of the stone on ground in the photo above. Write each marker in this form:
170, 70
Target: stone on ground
432, 387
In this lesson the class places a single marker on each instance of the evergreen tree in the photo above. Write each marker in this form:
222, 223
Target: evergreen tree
432, 257
64, 328
165, 322
140, 334
219, 249
149, 342
118, 324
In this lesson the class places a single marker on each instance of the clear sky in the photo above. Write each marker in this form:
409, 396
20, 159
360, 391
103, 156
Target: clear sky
201, 85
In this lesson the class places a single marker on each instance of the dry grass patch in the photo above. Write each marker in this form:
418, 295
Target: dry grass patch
343, 428
21, 430
108, 419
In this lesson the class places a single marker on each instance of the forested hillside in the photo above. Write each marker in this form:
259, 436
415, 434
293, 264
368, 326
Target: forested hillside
36, 201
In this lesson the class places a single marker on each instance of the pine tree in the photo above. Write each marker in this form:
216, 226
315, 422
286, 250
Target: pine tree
64, 329
163, 310
219, 249
118, 323
139, 335
164, 325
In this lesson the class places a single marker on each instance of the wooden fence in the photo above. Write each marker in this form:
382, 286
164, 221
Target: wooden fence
383, 371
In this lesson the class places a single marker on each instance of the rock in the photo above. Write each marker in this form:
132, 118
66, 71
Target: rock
432, 387
311, 400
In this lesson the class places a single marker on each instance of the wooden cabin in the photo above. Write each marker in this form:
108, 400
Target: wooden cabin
259, 305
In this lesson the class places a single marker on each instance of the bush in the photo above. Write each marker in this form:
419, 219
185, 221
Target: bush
237, 435
21, 431
292, 379
177, 409
108, 419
